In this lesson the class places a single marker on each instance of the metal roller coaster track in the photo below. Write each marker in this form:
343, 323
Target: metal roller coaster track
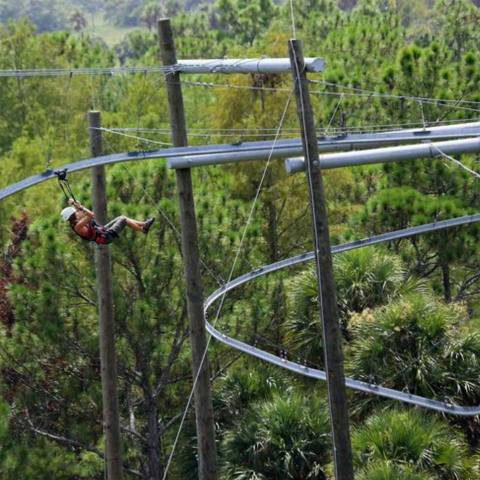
432, 404
365, 387
186, 157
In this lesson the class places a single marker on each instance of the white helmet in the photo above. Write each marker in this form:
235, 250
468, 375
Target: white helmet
67, 213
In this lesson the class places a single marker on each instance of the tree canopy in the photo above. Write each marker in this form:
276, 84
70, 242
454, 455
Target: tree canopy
409, 310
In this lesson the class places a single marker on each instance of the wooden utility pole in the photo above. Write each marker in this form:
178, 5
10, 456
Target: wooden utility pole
103, 270
332, 340
207, 453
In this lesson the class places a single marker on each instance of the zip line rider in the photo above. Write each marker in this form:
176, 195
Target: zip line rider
83, 223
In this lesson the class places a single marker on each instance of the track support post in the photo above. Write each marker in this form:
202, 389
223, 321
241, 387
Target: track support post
332, 340
103, 269
207, 454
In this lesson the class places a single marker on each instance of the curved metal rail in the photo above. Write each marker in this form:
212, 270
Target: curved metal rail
251, 350
186, 157
431, 404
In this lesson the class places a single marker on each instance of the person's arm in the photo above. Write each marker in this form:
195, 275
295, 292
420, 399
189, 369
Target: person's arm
82, 221
80, 208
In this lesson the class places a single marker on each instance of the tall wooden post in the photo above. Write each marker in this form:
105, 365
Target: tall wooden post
105, 309
332, 340
207, 454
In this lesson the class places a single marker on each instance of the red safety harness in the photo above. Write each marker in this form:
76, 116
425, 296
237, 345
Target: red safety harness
96, 233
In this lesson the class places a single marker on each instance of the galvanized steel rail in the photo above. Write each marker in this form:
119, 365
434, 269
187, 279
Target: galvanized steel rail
329, 144
186, 157
375, 389
221, 65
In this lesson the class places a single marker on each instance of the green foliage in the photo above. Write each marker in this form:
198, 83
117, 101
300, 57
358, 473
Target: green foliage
385, 470
195, 36
242, 388
401, 207
415, 446
47, 15
286, 437
123, 13
365, 279
134, 46
414, 343
20, 457
269, 426
245, 19
130, 13
23, 460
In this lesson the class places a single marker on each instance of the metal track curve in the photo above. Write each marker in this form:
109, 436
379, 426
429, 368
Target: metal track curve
261, 150
375, 389
249, 349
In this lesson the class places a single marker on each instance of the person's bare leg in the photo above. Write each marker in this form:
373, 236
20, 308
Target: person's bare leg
135, 224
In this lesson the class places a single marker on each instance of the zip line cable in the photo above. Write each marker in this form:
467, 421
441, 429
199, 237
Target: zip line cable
292, 17
171, 69
323, 131
453, 104
65, 184
455, 161
365, 92
197, 135
446, 103
217, 315
135, 137
355, 92
334, 113
268, 131
88, 71
191, 83
213, 130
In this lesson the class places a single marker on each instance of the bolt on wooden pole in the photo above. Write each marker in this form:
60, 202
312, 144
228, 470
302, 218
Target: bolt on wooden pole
103, 270
332, 340
207, 454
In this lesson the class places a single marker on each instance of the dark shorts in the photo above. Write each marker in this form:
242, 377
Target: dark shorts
115, 227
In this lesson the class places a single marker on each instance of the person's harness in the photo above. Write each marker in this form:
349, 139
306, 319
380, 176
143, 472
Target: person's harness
96, 233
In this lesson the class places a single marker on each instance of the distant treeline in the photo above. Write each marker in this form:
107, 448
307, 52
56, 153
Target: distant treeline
52, 15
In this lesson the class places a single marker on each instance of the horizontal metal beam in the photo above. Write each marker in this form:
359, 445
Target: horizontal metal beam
387, 155
246, 65
359, 385
182, 157
249, 65
251, 151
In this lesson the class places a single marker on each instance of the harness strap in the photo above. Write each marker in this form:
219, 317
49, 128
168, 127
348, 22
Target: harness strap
99, 234
64, 183
101, 237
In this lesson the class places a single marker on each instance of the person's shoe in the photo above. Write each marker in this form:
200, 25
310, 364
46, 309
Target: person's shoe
147, 225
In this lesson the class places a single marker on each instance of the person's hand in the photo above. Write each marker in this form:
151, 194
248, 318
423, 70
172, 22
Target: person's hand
71, 201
